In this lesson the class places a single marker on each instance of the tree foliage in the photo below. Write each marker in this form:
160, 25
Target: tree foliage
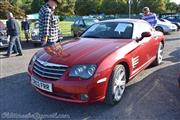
66, 7
114, 6
157, 6
87, 7
7, 7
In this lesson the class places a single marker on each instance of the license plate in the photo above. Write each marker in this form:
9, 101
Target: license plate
41, 85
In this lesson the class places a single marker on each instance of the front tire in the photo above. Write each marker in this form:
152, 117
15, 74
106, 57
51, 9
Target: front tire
116, 85
159, 56
158, 28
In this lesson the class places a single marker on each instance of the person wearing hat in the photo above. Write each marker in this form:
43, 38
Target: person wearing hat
149, 17
48, 23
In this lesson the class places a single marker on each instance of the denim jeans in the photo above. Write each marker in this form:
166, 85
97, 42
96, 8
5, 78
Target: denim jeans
49, 43
14, 44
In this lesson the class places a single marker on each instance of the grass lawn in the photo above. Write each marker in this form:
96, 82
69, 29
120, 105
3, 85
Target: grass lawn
64, 26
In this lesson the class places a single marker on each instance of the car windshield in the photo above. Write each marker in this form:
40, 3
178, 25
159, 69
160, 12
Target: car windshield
114, 30
90, 22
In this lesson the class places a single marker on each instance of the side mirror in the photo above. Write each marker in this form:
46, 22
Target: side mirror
143, 35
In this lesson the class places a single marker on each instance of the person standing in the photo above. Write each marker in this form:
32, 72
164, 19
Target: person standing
48, 23
25, 24
151, 18
13, 31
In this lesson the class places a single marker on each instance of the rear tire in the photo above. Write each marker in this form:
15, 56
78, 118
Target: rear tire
159, 56
116, 85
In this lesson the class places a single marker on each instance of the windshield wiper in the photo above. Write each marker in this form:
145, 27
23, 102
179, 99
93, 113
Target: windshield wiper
90, 36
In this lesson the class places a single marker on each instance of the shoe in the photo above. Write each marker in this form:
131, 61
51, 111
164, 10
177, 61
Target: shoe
14, 53
19, 54
6, 55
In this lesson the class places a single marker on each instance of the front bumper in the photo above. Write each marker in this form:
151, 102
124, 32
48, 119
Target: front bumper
3, 42
72, 90
170, 29
36, 39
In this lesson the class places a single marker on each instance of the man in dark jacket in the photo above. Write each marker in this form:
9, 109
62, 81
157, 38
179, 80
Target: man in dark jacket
13, 31
25, 24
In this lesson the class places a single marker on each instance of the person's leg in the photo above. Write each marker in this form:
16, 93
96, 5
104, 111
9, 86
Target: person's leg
18, 44
27, 35
11, 44
14, 49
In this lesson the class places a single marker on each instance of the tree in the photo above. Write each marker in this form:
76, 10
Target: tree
172, 7
66, 7
6, 6
87, 7
36, 5
135, 6
157, 6
114, 6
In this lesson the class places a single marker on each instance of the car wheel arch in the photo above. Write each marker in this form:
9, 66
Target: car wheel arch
108, 95
126, 65
159, 28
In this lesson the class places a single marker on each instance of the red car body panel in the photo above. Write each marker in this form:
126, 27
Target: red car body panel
105, 53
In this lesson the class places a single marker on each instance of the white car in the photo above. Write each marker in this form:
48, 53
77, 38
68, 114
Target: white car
35, 34
165, 26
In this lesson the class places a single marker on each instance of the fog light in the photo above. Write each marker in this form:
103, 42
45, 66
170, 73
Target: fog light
84, 97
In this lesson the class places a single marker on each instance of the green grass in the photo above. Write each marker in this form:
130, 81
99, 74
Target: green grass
64, 26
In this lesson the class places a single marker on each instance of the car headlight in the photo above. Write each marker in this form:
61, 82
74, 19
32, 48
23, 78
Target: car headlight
83, 71
33, 59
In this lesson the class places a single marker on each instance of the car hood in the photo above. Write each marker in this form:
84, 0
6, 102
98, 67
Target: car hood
82, 51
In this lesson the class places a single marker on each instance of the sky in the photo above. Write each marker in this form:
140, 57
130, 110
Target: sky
176, 1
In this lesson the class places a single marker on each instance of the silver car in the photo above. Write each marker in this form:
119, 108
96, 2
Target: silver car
4, 39
165, 26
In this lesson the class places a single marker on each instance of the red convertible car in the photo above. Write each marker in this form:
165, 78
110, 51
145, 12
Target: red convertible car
97, 65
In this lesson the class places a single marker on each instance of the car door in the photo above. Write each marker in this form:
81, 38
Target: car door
150, 42
140, 55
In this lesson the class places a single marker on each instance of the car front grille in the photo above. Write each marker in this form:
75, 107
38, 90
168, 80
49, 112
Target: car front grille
48, 70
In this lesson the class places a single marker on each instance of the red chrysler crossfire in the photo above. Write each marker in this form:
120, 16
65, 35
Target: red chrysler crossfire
97, 65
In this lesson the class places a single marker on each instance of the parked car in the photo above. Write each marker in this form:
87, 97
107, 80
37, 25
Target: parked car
81, 24
4, 39
175, 19
35, 35
165, 26
97, 65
